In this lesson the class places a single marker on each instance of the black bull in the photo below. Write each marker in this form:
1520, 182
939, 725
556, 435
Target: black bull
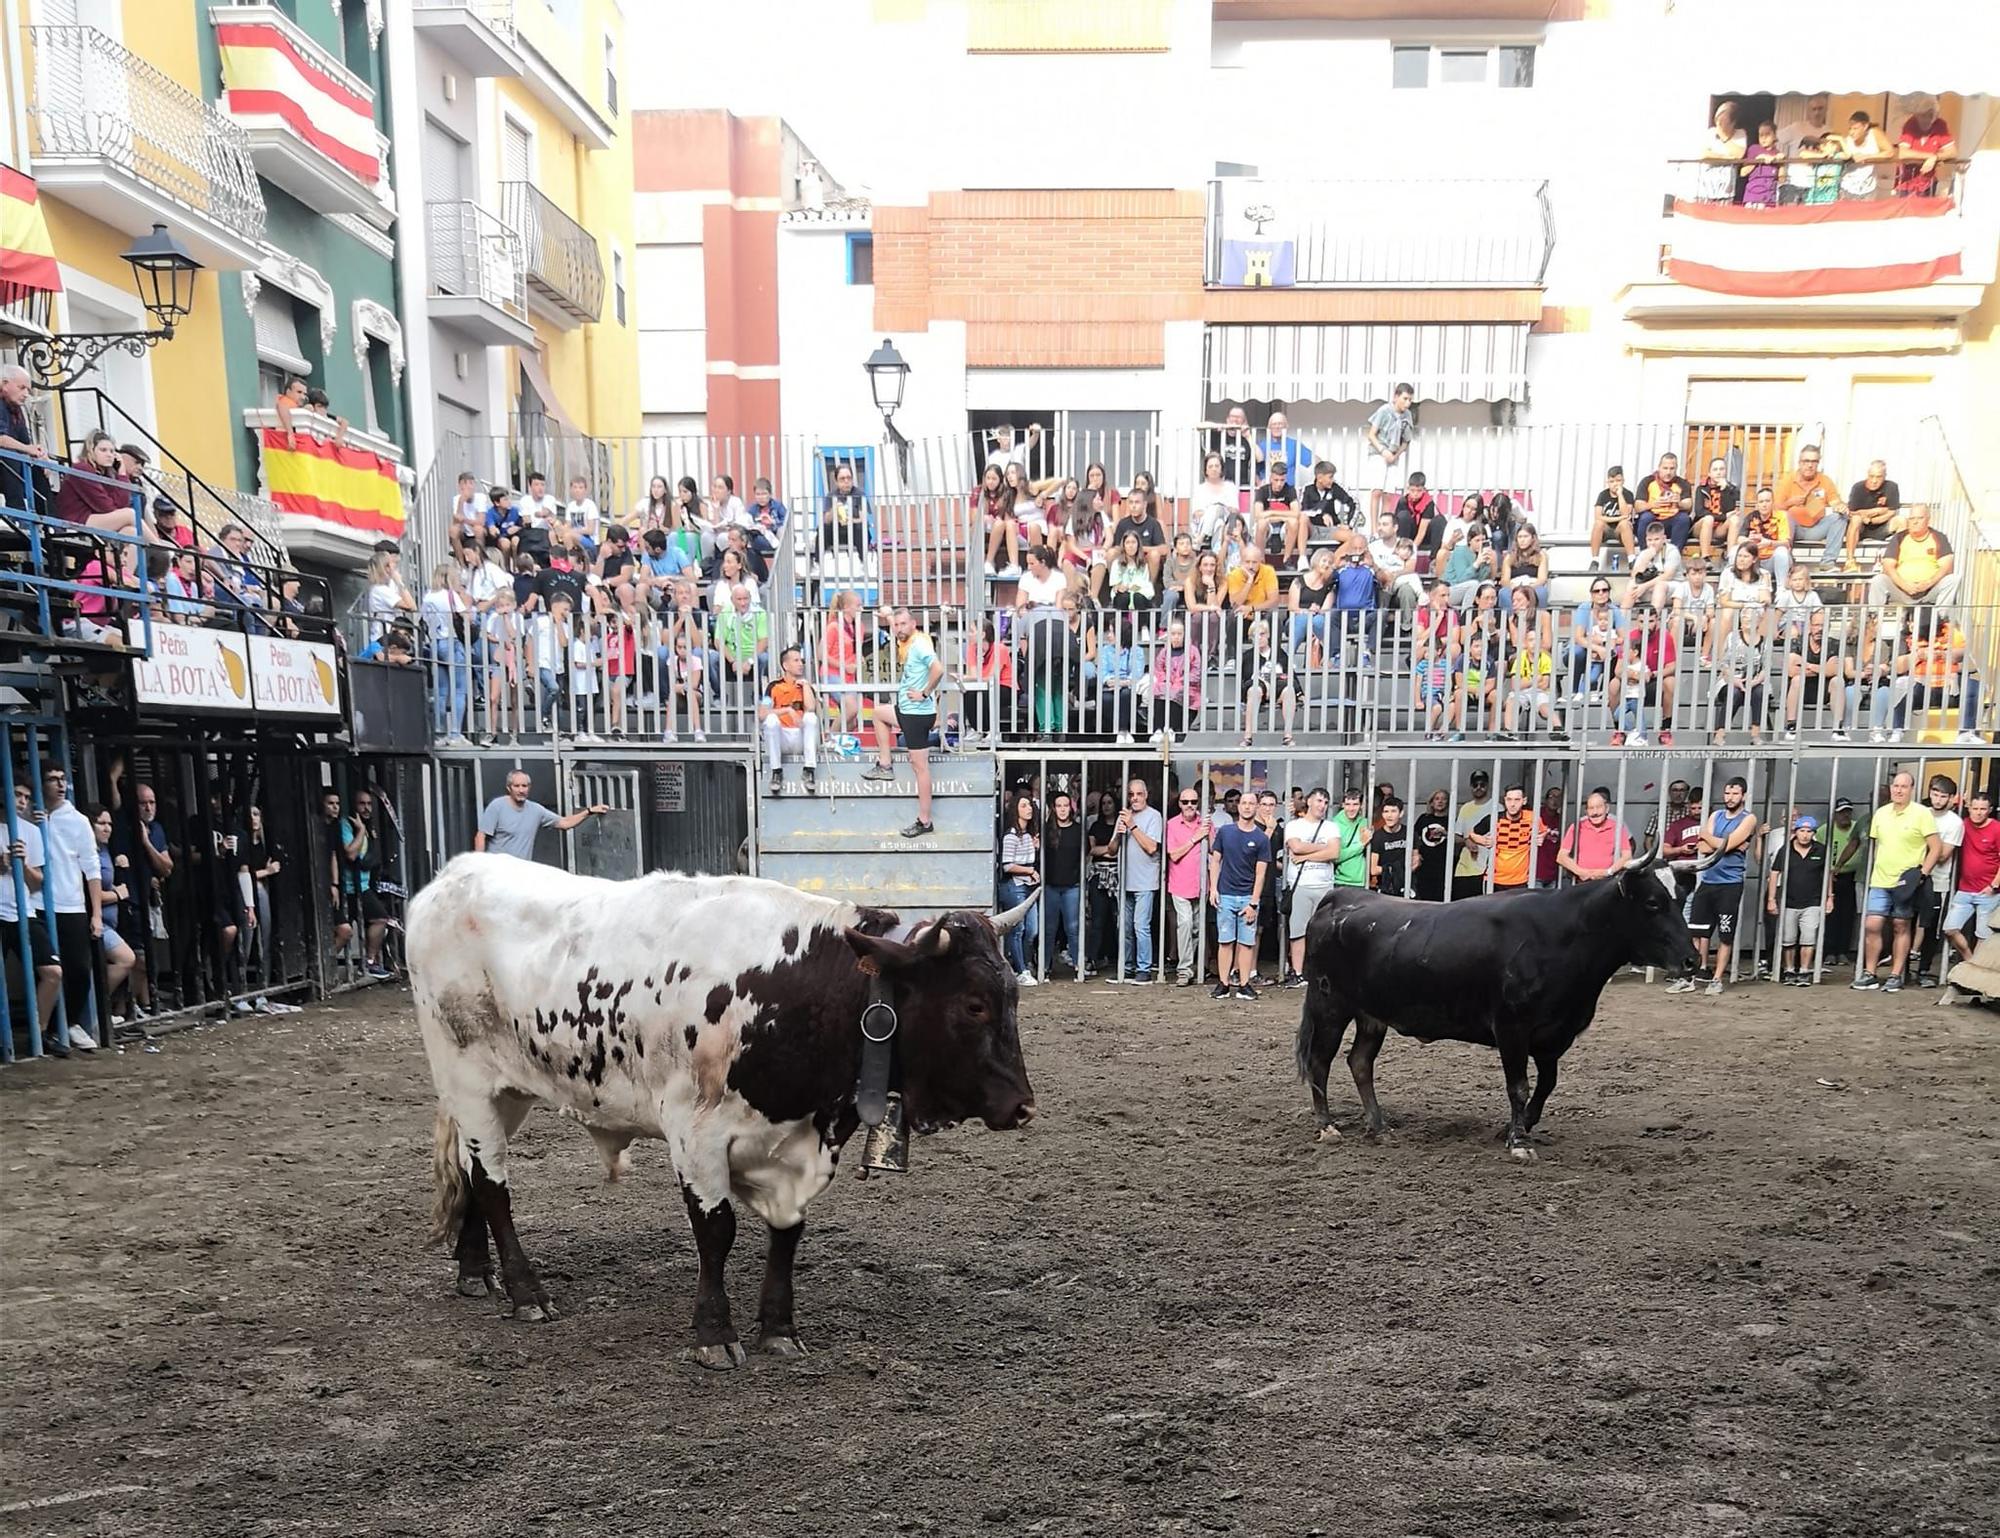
1521, 973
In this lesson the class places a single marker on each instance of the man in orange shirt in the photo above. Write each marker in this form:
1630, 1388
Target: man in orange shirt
1253, 585
1916, 565
1517, 832
790, 722
1812, 507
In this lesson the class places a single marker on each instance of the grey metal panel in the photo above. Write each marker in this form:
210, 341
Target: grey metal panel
705, 836
607, 846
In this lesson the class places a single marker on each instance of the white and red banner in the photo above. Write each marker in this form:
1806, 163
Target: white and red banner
267, 75
1799, 250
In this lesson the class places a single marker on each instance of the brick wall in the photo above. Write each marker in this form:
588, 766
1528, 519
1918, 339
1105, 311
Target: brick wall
1044, 279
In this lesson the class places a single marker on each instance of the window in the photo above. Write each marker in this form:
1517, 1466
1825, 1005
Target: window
861, 261
274, 322
610, 75
618, 284
1461, 66
1415, 66
356, 45
381, 397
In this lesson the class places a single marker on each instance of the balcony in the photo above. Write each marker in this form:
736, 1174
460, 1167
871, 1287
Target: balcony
115, 137
478, 278
1825, 239
1430, 233
308, 119
478, 35
334, 497
565, 273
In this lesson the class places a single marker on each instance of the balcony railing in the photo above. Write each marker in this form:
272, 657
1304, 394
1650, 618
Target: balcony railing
95, 100
1777, 183
474, 254
1393, 233
564, 266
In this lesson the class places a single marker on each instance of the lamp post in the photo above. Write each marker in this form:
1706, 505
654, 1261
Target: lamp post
887, 373
163, 273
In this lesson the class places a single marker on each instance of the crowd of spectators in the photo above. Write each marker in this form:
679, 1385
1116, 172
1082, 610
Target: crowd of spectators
127, 908
1876, 893
1765, 164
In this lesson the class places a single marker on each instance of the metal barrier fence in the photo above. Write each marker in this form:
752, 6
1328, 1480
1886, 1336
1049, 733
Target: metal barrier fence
1103, 891
926, 541
1826, 673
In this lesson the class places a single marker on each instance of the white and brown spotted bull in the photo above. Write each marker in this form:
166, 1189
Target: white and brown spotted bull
721, 1015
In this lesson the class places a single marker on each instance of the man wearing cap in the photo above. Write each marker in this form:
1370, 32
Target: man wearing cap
1724, 838
1844, 844
1473, 830
1907, 845
170, 526
1796, 895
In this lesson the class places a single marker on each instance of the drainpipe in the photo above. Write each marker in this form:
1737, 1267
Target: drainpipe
578, 155
17, 82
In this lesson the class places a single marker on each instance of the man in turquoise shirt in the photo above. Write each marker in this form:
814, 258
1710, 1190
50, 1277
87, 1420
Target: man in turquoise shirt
914, 713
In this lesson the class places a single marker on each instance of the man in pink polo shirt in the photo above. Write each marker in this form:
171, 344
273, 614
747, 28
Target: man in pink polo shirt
1598, 845
1187, 866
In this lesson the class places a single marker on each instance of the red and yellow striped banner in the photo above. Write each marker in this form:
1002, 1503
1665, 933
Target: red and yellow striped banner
27, 254
264, 74
336, 484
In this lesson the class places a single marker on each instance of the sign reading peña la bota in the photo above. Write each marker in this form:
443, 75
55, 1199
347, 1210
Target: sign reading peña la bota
196, 669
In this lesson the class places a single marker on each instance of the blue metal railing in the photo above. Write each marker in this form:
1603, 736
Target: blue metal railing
56, 547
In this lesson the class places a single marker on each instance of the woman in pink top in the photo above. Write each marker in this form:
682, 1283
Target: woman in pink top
1176, 681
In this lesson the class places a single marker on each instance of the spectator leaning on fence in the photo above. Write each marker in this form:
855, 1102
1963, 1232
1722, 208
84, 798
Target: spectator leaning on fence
1020, 873
1796, 894
1597, 844
1906, 846
25, 857
1238, 867
1313, 843
1978, 894
1062, 868
510, 822
74, 894
1726, 834
1187, 840
1136, 839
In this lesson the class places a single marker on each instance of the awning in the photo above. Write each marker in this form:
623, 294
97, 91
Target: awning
27, 254
1467, 361
1938, 47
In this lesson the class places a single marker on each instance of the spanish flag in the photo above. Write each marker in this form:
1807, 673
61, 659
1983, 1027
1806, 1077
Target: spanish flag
266, 76
335, 484
27, 255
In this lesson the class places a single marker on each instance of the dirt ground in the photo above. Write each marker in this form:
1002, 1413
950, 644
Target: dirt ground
1749, 1288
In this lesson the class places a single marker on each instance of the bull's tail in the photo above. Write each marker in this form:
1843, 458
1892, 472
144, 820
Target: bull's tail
448, 1203
1307, 1026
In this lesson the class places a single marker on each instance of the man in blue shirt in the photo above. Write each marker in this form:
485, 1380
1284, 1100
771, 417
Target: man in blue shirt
1718, 894
1238, 866
914, 713
503, 523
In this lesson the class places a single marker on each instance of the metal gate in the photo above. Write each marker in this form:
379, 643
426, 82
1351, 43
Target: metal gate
605, 846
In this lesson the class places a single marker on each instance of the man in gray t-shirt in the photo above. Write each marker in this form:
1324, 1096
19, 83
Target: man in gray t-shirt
510, 822
1138, 837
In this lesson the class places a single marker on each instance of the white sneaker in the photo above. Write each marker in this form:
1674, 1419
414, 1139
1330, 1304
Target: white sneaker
1971, 739
1025, 979
1896, 735
1876, 734
1714, 988
81, 1040
1125, 740
1681, 985
1635, 739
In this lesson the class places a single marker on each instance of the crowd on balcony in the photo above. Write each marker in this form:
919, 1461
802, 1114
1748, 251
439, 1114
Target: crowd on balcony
1229, 878
1765, 164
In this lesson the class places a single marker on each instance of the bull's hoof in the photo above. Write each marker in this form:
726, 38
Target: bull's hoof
1329, 1133
1522, 1152
535, 1310
722, 1357
474, 1286
781, 1345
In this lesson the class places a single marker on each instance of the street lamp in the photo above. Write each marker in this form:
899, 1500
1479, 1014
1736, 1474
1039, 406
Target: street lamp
887, 373
163, 273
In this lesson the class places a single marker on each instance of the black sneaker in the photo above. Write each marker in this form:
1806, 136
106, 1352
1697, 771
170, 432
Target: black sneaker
812, 782
1292, 979
777, 782
1789, 980
1865, 981
918, 829
1221, 991
1247, 992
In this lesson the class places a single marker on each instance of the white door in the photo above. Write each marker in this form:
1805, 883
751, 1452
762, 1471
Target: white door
127, 380
1885, 421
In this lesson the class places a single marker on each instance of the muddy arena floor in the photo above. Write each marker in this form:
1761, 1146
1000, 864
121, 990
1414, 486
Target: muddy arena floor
1749, 1288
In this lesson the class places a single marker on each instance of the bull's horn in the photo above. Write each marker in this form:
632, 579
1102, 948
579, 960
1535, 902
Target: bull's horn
1011, 919
1651, 859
